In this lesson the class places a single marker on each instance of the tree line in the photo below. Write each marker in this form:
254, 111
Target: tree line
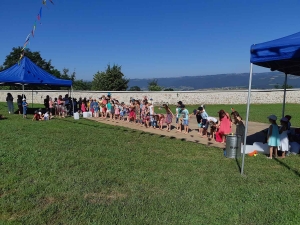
111, 79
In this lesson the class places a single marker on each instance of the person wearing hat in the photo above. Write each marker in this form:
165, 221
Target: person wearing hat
24, 105
273, 138
284, 140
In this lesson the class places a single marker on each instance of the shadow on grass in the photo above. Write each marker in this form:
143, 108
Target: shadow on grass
238, 164
296, 172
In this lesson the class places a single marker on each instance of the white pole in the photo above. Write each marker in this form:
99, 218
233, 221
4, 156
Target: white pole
284, 95
23, 91
247, 118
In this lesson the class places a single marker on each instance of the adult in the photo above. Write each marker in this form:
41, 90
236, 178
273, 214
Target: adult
19, 102
46, 102
10, 103
224, 125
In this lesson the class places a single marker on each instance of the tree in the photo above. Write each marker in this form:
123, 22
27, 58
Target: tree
134, 88
169, 89
111, 80
35, 57
82, 85
287, 86
277, 86
153, 85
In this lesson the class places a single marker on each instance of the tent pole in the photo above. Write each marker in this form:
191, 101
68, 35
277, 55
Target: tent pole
31, 98
23, 91
247, 118
284, 95
72, 99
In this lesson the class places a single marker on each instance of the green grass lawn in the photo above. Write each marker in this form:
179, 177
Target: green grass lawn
66, 171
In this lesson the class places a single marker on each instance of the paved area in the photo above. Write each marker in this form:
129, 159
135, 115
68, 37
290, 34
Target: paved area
254, 131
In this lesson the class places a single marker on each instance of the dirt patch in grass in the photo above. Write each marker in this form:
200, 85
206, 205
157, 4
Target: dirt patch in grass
104, 198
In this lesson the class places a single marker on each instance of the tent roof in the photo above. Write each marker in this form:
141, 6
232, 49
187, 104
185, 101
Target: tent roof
282, 54
29, 73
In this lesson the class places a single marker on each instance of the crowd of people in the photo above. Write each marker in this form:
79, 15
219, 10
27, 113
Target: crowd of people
142, 112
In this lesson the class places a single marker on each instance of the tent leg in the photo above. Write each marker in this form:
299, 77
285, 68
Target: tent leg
284, 95
31, 98
247, 118
23, 91
72, 99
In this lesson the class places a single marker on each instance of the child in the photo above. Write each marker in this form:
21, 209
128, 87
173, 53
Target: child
199, 120
185, 117
178, 112
36, 116
108, 109
46, 116
151, 111
51, 107
156, 119
83, 109
169, 117
24, 104
55, 107
273, 138
112, 110
204, 116
284, 140
161, 118
211, 126
117, 111
237, 120
131, 116
96, 108
91, 107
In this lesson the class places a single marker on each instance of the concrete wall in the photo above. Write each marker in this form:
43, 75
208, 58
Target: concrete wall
188, 97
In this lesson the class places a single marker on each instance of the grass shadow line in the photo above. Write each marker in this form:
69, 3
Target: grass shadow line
238, 164
296, 172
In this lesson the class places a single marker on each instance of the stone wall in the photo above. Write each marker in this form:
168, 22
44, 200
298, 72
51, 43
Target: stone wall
188, 97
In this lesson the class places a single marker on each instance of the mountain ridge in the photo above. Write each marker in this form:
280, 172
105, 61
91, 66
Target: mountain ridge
266, 80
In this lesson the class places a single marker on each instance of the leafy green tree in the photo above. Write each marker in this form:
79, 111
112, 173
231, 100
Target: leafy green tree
82, 85
134, 88
277, 86
111, 80
153, 85
287, 86
35, 57
169, 89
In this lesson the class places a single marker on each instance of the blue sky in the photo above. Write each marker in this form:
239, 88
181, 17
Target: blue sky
154, 38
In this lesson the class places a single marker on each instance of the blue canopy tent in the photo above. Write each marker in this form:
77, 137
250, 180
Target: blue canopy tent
27, 72
282, 55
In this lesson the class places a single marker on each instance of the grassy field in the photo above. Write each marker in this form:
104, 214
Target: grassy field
82, 172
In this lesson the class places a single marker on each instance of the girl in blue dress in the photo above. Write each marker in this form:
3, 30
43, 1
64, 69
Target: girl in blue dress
273, 136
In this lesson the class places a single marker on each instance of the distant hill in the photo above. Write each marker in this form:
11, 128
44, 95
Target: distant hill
221, 81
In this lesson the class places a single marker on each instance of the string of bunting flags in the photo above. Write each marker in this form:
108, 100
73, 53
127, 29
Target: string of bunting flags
32, 33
